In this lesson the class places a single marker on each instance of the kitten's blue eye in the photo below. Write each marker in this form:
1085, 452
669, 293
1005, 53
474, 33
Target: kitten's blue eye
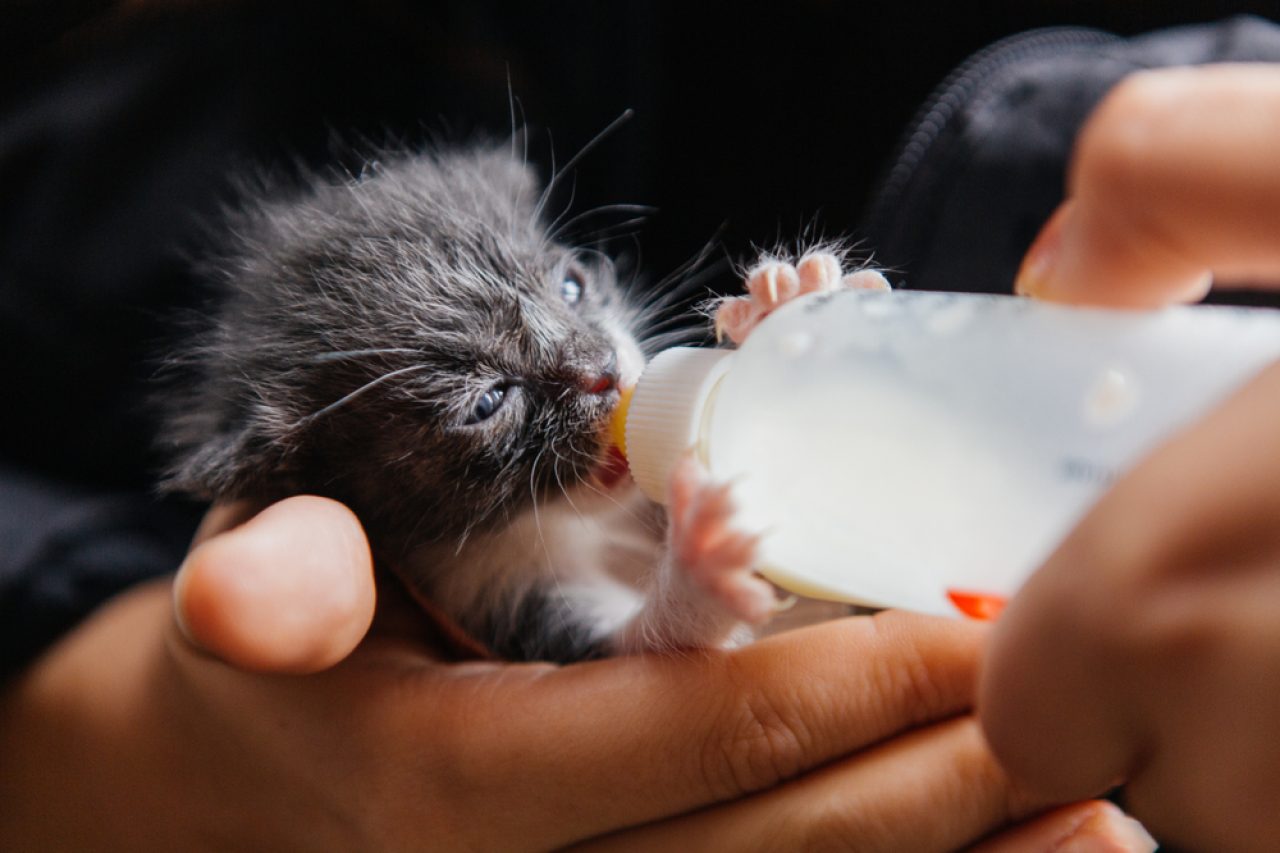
572, 287
488, 404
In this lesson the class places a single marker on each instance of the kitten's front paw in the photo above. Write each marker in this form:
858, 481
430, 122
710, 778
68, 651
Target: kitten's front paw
772, 283
709, 553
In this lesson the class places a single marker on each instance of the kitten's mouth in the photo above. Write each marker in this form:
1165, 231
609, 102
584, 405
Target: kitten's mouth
612, 468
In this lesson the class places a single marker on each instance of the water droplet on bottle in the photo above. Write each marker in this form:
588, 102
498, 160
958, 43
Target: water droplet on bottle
1111, 398
950, 318
795, 344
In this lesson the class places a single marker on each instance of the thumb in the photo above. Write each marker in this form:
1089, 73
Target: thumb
290, 590
1174, 183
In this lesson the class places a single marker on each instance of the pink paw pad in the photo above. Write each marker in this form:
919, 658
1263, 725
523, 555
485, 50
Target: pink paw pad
772, 283
865, 280
736, 316
710, 553
819, 271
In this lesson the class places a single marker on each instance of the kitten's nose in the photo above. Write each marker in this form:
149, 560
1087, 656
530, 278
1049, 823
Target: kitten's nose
604, 381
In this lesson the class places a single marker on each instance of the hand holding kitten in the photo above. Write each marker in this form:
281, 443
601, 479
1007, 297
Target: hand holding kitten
719, 747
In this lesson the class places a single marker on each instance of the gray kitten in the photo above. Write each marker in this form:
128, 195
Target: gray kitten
416, 344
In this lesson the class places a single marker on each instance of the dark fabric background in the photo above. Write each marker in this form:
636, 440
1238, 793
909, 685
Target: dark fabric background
119, 126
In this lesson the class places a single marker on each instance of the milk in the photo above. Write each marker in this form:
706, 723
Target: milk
894, 448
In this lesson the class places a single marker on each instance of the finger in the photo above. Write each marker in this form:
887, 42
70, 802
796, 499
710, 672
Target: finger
223, 517
1174, 176
1090, 827
935, 789
694, 729
290, 590
1090, 650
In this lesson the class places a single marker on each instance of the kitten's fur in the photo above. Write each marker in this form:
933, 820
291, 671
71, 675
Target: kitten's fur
364, 322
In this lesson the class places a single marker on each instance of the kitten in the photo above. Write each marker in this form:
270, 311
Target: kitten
418, 345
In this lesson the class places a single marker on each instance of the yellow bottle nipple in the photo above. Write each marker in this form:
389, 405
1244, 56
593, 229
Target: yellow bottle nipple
618, 423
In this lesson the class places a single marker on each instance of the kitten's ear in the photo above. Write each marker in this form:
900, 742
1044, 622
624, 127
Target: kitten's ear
503, 168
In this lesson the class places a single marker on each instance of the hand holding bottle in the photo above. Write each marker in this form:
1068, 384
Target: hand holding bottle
1147, 649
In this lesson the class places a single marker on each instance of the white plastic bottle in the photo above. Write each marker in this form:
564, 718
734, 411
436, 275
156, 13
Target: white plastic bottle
907, 449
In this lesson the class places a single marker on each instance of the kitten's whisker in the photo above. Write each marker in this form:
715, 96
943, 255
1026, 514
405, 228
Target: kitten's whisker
463, 537
643, 209
692, 319
573, 161
678, 321
609, 232
342, 401
511, 110
698, 258
674, 336
686, 291
689, 276
533, 495
549, 233
652, 346
635, 516
552, 177
360, 353
661, 313
555, 469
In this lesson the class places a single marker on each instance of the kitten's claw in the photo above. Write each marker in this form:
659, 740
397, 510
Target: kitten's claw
772, 283
735, 316
709, 552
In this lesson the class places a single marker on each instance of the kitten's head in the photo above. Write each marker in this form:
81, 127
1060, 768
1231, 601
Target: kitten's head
413, 343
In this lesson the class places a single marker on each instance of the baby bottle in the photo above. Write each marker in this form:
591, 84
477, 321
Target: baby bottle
929, 450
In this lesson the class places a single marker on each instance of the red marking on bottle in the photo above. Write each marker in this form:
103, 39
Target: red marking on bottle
977, 605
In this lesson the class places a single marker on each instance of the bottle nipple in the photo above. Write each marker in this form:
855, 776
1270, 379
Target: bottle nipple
654, 427
618, 423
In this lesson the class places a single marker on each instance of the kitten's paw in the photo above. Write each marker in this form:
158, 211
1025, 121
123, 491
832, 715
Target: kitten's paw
708, 552
865, 279
772, 283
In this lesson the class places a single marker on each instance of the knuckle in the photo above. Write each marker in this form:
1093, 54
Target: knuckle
1122, 138
905, 682
758, 744
844, 822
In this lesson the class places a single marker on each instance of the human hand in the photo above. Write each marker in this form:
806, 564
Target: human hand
1173, 185
1147, 648
129, 736
1094, 825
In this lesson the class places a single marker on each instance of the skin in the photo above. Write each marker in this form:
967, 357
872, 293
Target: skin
849, 735
1148, 648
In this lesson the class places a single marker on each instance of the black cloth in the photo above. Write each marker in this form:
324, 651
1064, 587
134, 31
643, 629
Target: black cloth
120, 125
68, 547
984, 162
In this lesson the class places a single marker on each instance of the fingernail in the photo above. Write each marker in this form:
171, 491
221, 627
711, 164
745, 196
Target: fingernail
1199, 287
179, 606
1035, 276
1140, 838
1105, 833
